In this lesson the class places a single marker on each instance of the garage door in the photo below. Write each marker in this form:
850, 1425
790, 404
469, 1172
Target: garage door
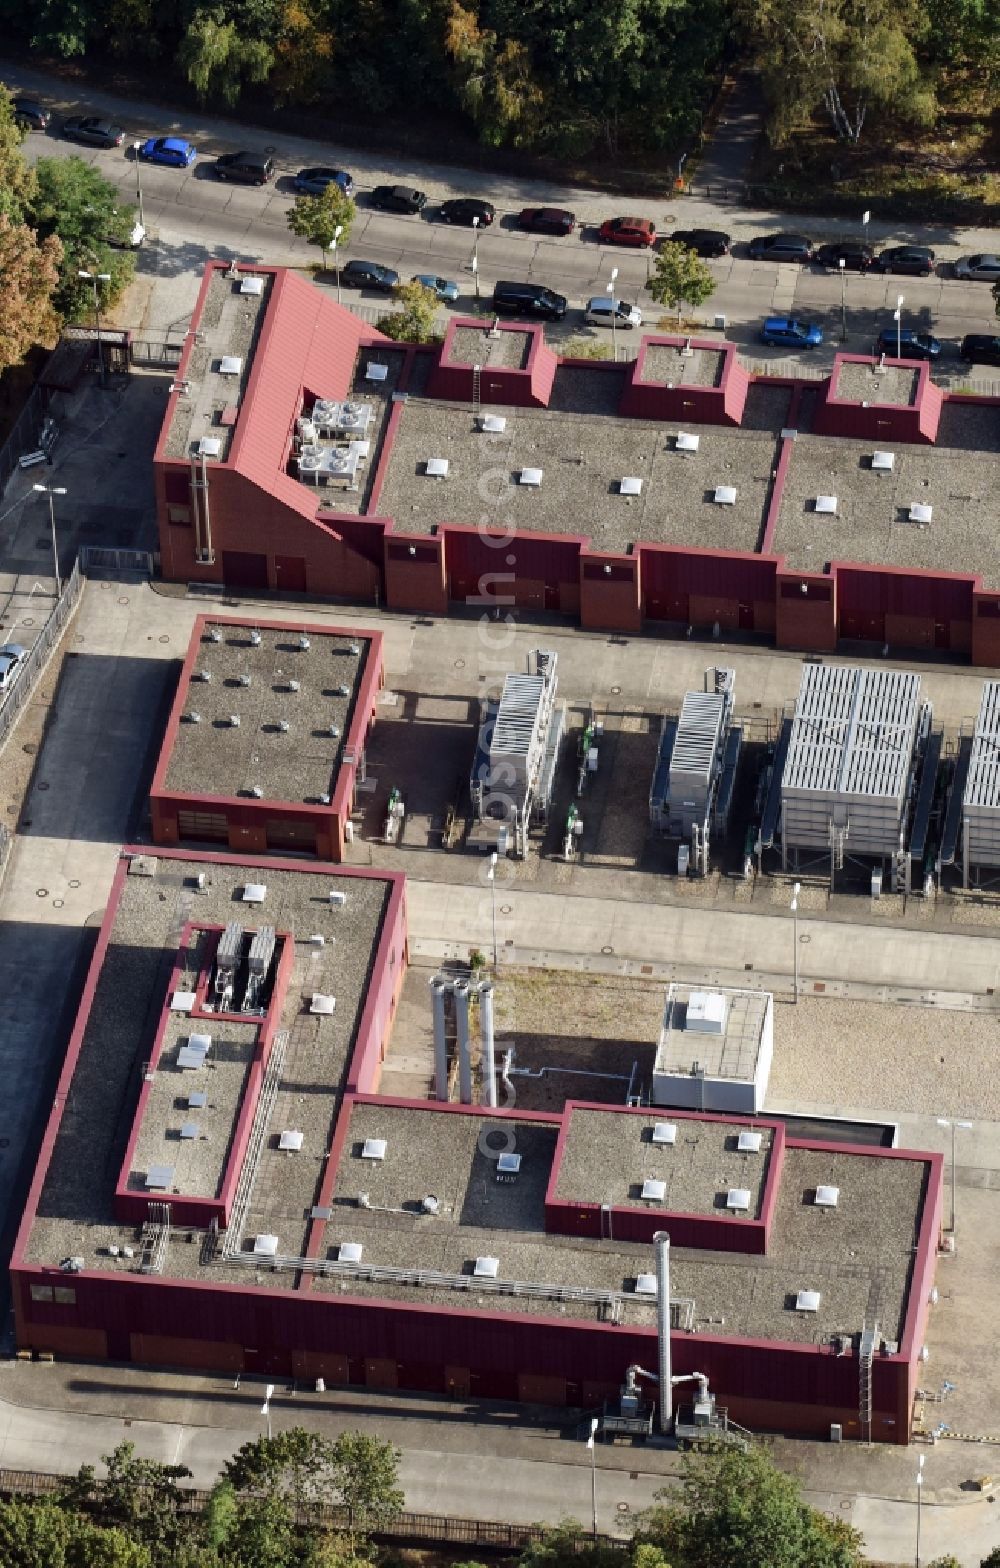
242, 569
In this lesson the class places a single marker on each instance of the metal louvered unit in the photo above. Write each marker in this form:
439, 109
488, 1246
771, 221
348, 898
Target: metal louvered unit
851, 759
684, 797
981, 796
517, 747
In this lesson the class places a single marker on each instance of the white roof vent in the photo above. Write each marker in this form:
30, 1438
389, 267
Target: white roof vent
255, 892
322, 1004
159, 1178
883, 462
266, 1246
197, 1100
189, 1130
234, 721
653, 1190
252, 286
291, 1140
209, 446
826, 503
202, 1043
376, 372
706, 1012
373, 1149
493, 424
725, 495
508, 1164
349, 1252
749, 1142
807, 1301
686, 442
738, 1199
665, 1132
919, 513
486, 1268
182, 1002
190, 1060
436, 468
645, 1285
532, 477
827, 1197
230, 365
338, 898
630, 486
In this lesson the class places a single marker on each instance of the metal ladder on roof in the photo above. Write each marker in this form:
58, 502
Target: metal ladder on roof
866, 1355
476, 387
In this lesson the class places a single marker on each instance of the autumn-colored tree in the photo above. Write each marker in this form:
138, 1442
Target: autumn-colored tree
17, 180
415, 321
318, 218
493, 79
30, 272
302, 55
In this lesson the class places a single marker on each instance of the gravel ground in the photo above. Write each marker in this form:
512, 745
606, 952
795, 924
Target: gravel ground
475, 346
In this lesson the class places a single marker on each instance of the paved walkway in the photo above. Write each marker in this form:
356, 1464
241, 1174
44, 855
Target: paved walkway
728, 153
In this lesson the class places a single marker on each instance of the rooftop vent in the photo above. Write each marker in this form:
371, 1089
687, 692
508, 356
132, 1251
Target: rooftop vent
338, 898
706, 1012
665, 1132
255, 792
189, 1130
214, 634
430, 1204
630, 486
230, 365
303, 643
654, 1191
202, 675
883, 462
251, 285
349, 1252
255, 638
194, 717
493, 424
920, 513
197, 1100
291, 1140
508, 1164
807, 1301
486, 1268
182, 1002
321, 1004
738, 1199
245, 679
532, 477
436, 468
265, 1246
826, 503
190, 1060
376, 372
209, 446
234, 721
645, 1285
293, 685
827, 1197
283, 726
686, 442
255, 892
373, 1149
200, 1042
749, 1142
725, 495
159, 1178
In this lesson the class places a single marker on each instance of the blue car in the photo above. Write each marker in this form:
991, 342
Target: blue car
313, 182
790, 332
168, 150
442, 287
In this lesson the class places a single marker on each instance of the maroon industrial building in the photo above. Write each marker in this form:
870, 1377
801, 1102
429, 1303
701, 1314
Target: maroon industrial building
221, 1186
266, 736
677, 490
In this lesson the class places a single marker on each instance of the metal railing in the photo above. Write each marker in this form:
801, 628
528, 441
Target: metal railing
155, 353
38, 656
98, 562
24, 434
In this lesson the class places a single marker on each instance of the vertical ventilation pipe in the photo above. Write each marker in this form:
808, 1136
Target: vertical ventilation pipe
488, 1044
661, 1241
464, 1050
439, 992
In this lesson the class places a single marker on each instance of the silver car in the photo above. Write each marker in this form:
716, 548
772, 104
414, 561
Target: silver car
984, 266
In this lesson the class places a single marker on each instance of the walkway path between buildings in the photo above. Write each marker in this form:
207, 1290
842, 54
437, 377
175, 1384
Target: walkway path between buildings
728, 153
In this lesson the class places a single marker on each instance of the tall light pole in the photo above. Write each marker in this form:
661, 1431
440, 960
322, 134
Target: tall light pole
920, 1489
338, 231
52, 491
946, 1121
843, 300
897, 317
866, 218
136, 147
794, 906
265, 1408
614, 319
591, 1444
97, 278
492, 874
475, 254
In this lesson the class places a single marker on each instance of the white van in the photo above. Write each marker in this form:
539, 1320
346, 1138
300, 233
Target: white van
599, 312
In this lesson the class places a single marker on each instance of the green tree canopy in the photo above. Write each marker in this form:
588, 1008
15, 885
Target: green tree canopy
42, 1534
415, 321
140, 1497
317, 218
74, 201
219, 54
17, 180
30, 273
680, 278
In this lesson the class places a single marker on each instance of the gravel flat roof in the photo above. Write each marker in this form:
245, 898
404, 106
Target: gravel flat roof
75, 1213
960, 483
607, 1156
509, 348
668, 364
871, 383
228, 327
215, 758
583, 458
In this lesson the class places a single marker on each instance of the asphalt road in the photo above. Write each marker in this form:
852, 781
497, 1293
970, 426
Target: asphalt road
193, 217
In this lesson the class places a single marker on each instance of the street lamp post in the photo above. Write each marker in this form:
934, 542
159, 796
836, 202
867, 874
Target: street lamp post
794, 906
492, 874
920, 1488
614, 315
475, 254
843, 300
97, 278
897, 317
136, 146
52, 491
866, 218
265, 1408
591, 1444
338, 231
946, 1121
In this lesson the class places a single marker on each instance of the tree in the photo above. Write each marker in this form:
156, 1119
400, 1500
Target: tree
993, 1560
42, 1534
566, 1546
262, 1534
739, 1511
138, 1496
680, 277
30, 273
493, 79
366, 1478
17, 180
416, 320
317, 218
218, 56
74, 201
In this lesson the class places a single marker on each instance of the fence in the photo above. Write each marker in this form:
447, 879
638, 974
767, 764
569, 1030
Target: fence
97, 562
426, 1529
155, 353
38, 656
24, 435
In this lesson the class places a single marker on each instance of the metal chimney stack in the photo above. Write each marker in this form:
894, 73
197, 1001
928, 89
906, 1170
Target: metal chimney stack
439, 992
464, 1049
488, 1045
661, 1241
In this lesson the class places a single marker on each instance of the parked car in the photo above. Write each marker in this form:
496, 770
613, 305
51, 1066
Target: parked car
781, 247
444, 288
463, 209
704, 242
915, 260
171, 151
985, 266
398, 198
856, 256
547, 220
313, 182
12, 656
93, 131
790, 331
981, 348
907, 344
245, 168
528, 300
601, 312
369, 275
639, 232
30, 113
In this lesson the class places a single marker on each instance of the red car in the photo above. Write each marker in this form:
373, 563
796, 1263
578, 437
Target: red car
640, 232
547, 220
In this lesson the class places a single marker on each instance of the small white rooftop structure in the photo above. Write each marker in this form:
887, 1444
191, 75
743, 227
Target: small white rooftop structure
919, 513
251, 285
686, 442
321, 1004
493, 424
714, 1051
291, 1140
827, 1197
532, 477
376, 372
749, 1142
738, 1200
486, 1268
373, 1149
159, 1178
807, 1301
349, 1252
645, 1285
230, 365
254, 893
183, 1002
826, 503
630, 485
654, 1191
725, 495
266, 1246
883, 462
436, 468
664, 1132
209, 446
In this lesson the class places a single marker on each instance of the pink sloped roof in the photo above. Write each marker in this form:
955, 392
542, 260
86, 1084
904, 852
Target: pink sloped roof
308, 343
